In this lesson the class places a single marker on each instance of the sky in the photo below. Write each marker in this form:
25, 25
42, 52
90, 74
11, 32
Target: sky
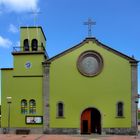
117, 25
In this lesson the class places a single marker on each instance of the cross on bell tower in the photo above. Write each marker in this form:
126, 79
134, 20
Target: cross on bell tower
35, 13
89, 23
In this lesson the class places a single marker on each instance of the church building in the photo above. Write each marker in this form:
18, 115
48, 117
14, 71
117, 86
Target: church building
89, 88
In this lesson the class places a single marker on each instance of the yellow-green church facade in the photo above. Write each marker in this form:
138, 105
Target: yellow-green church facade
89, 88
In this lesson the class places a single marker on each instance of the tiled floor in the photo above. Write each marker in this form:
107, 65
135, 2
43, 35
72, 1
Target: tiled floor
65, 137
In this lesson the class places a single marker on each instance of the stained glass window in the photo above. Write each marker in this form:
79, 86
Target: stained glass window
32, 106
23, 106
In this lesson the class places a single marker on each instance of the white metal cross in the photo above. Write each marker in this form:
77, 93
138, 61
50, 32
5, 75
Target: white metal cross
89, 23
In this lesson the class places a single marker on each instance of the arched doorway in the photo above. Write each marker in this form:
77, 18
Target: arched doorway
91, 121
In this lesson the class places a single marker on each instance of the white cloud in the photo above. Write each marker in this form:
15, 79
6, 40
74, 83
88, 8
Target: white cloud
13, 28
5, 43
20, 5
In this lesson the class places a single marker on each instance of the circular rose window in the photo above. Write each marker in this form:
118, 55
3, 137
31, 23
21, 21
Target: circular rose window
90, 63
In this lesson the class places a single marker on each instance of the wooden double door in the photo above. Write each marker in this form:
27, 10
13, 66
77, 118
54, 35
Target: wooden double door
91, 121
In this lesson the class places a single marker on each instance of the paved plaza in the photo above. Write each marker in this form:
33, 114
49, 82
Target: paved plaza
66, 137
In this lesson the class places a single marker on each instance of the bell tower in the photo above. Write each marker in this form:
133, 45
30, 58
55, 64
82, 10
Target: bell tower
32, 39
24, 82
28, 57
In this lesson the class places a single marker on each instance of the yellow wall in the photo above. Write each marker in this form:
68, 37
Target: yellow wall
78, 92
36, 64
20, 88
22, 83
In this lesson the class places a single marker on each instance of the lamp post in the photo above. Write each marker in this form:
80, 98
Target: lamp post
137, 101
9, 102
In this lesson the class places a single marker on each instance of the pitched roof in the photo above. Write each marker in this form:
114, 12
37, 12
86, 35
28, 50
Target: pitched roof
86, 40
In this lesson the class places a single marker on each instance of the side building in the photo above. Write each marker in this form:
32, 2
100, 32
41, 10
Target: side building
22, 85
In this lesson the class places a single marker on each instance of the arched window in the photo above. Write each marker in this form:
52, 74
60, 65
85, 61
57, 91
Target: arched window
60, 109
34, 45
23, 106
26, 45
120, 109
32, 106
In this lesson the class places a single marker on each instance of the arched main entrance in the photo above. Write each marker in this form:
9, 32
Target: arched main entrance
90, 121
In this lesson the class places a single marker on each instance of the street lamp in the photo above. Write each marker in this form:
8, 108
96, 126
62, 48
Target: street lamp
137, 101
9, 102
